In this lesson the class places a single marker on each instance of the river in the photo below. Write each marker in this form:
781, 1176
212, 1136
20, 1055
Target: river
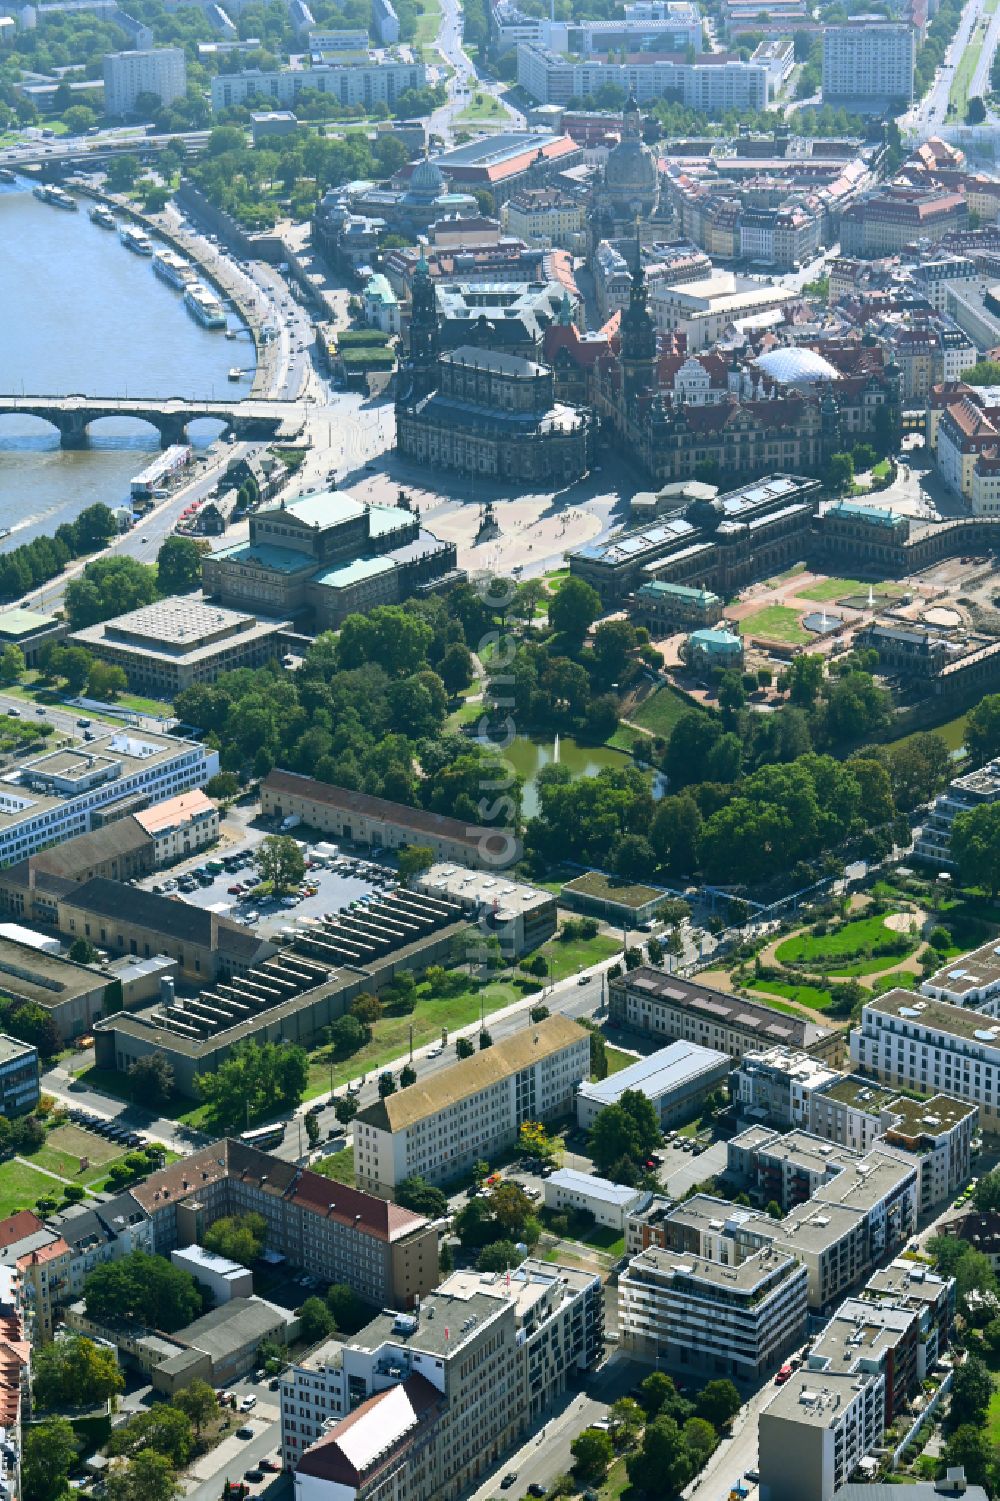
80, 313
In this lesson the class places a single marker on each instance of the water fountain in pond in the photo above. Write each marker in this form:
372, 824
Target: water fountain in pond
871, 597
555, 750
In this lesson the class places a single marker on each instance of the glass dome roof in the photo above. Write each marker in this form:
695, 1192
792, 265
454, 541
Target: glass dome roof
796, 367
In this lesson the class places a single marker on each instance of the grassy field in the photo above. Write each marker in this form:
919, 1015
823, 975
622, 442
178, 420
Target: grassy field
836, 953
830, 589
631, 741
661, 711
617, 1060
339, 1167
958, 98
812, 996
568, 958
776, 623
21, 1186
428, 23
483, 109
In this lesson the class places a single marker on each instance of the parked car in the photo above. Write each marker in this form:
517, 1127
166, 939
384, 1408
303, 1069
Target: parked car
508, 1480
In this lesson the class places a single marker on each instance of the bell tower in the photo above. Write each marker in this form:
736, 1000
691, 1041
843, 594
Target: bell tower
638, 334
423, 330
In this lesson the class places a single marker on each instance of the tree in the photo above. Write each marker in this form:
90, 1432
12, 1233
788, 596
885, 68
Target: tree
499, 1256
422, 1197
663, 1465
485, 1039
407, 1076
598, 1056
700, 1440
109, 586
511, 1208
142, 1287
455, 668
345, 1109
225, 785
386, 1085
349, 1312
122, 173
11, 665
718, 1403
315, 1320
280, 861
347, 1034
625, 1420
74, 1373
975, 110
975, 846
198, 1403
105, 681
982, 729
164, 1428
533, 1139
49, 1451
464, 1047
414, 860
614, 1137
838, 472
367, 1008
82, 951
178, 565
147, 1477
986, 1194
592, 1453
657, 1390
152, 1078
238, 1237
969, 1447
574, 608
539, 1013
804, 679
971, 1389
256, 1080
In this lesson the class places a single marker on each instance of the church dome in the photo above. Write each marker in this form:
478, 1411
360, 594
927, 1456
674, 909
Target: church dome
796, 367
630, 171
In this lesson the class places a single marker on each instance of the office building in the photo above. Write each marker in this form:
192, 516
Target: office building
55, 796
546, 216
868, 64
180, 825
29, 631
648, 1000
19, 1087
360, 819
165, 647
572, 1192
428, 1401
376, 80
816, 1431
386, 22
931, 1046
702, 310
520, 916
161, 71
712, 81
675, 1080
696, 1313
321, 557
776, 1087
473, 1109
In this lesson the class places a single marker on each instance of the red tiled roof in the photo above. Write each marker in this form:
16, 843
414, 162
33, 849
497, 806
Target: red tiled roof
350, 1206
18, 1227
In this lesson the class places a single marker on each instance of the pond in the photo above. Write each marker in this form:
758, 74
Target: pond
529, 756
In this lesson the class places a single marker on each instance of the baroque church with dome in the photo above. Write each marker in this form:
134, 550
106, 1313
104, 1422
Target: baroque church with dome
628, 190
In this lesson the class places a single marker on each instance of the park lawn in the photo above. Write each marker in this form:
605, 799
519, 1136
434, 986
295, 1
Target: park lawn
617, 1060
881, 470
569, 957
428, 23
339, 1166
21, 1187
812, 996
155, 706
70, 1142
776, 623
391, 1037
806, 948
831, 589
629, 740
483, 109
617, 1483
952, 732
993, 1416
466, 713
661, 711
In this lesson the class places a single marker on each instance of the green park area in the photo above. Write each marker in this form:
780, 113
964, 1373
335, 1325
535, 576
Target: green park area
69, 1164
815, 997
661, 711
826, 590
776, 623
860, 947
958, 97
483, 109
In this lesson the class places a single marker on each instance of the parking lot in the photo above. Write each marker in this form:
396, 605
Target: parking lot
224, 884
122, 1136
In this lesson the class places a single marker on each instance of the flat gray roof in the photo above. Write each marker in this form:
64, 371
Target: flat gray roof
661, 1073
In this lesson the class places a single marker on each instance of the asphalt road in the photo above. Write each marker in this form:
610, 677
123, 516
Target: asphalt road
929, 114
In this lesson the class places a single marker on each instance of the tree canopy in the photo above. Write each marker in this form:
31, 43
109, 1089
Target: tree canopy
142, 1288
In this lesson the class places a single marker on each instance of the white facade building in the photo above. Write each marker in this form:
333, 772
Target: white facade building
471, 1110
869, 62
224, 1278
714, 82
816, 1431
608, 1202
377, 81
674, 1079
161, 71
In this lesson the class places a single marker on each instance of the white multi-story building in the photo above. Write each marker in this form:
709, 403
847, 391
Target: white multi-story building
973, 790
694, 1312
161, 71
386, 22
496, 1350
609, 1203
380, 80
929, 1045
65, 792
714, 82
869, 62
816, 1431
776, 1087
473, 1109
675, 1080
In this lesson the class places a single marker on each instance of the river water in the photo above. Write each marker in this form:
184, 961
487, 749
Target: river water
80, 313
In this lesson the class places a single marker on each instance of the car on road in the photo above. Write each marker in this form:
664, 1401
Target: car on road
272, 1466
248, 1403
246, 1431
14, 713
508, 1480
84, 724
254, 1474
434, 1052
536, 1489
40, 711
583, 980
784, 1374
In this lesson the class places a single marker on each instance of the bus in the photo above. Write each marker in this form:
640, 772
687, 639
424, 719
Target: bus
265, 1136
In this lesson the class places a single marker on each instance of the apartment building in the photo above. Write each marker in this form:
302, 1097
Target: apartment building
379, 80
667, 1006
675, 1080
889, 218
160, 70
919, 1043
495, 1351
868, 63
696, 1313
784, 1088
712, 81
932, 843
473, 1109
546, 216
816, 1431
19, 1087
52, 797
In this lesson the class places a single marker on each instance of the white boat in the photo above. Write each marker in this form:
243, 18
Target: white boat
103, 217
56, 196
204, 306
136, 240
173, 269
